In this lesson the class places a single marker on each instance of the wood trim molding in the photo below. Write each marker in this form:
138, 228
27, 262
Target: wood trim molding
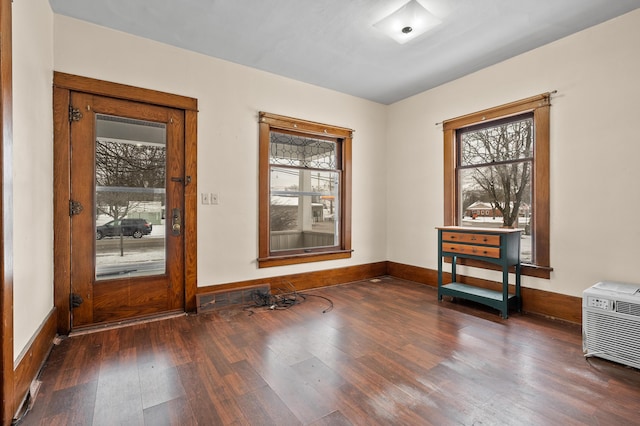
122, 91
554, 305
288, 123
62, 221
308, 280
63, 85
303, 258
191, 210
512, 108
33, 357
7, 373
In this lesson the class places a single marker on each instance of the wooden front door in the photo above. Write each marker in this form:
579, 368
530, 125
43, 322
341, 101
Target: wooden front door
127, 184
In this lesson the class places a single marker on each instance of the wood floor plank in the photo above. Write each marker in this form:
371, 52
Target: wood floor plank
244, 379
158, 386
301, 398
68, 406
176, 412
119, 396
333, 419
387, 353
199, 390
78, 366
264, 407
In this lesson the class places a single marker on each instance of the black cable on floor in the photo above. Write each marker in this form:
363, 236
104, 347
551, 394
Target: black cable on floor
281, 299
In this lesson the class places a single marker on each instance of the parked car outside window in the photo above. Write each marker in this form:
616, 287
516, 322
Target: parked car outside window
135, 228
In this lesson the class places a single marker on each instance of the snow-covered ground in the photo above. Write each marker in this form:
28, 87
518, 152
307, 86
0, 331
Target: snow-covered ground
143, 256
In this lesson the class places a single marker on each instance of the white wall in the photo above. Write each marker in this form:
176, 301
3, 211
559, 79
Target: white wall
229, 99
32, 168
595, 152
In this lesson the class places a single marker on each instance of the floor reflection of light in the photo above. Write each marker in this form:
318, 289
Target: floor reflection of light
396, 401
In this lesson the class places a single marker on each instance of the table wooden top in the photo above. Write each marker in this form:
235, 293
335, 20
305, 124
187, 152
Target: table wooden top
474, 229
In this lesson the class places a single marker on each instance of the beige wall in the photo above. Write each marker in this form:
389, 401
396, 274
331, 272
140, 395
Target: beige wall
595, 149
32, 168
229, 99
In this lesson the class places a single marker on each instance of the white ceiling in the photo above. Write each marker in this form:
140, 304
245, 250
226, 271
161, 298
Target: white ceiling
333, 44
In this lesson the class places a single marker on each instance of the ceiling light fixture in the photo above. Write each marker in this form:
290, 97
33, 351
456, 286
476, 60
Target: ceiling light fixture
408, 22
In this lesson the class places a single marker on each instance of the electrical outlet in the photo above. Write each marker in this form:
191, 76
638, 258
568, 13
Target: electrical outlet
214, 197
205, 198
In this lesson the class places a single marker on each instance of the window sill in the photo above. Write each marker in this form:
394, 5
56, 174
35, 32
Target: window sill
293, 259
527, 269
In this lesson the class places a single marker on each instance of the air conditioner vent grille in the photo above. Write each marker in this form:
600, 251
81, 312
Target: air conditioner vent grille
612, 336
628, 308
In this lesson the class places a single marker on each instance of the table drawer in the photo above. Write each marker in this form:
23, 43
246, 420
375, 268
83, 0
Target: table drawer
493, 252
492, 240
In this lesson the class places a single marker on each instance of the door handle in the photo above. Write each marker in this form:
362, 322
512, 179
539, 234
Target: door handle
175, 222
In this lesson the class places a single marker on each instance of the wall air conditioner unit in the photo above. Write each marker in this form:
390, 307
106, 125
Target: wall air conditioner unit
611, 322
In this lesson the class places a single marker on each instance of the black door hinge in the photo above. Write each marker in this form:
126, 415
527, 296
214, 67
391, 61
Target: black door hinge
75, 207
76, 300
74, 114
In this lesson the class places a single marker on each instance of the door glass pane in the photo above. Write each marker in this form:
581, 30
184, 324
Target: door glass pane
130, 197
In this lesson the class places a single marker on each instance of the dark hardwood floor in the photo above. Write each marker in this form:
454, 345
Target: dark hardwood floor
387, 353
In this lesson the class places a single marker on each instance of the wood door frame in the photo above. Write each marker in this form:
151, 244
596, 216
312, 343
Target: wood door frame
63, 85
7, 372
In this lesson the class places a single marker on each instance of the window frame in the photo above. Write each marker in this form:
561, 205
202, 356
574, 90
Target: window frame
539, 105
271, 122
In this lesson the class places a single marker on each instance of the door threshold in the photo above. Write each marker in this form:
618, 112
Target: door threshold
124, 323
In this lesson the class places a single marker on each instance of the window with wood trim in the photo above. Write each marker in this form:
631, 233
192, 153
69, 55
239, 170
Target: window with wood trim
496, 174
305, 191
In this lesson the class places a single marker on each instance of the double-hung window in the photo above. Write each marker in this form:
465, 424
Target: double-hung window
496, 167
305, 188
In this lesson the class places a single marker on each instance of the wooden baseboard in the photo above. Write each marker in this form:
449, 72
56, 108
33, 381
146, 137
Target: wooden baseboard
308, 280
33, 357
554, 305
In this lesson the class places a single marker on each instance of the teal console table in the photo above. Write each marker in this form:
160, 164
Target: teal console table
494, 245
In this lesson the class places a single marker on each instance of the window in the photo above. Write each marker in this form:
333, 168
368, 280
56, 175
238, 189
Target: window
305, 191
496, 167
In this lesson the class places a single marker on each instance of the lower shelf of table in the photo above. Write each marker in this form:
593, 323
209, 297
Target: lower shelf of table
485, 296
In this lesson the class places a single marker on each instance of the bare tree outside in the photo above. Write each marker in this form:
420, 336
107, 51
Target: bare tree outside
125, 165
282, 217
495, 166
